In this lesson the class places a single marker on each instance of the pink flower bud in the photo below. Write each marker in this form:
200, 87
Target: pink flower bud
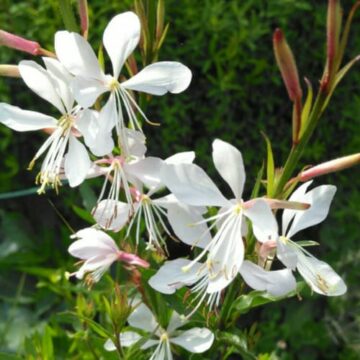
132, 259
330, 166
19, 43
333, 28
286, 63
84, 17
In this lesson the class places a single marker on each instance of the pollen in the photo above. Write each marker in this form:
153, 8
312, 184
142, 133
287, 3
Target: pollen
238, 208
113, 84
322, 283
164, 337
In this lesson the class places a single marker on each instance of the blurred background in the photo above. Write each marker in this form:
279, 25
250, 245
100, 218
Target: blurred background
236, 93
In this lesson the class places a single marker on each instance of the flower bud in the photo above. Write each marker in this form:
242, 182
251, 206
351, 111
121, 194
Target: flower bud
84, 17
19, 43
330, 167
9, 70
286, 63
333, 28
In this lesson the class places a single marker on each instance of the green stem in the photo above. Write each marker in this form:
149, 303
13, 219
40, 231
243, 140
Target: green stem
297, 150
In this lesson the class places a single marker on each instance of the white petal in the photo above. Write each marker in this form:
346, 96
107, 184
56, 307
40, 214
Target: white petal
320, 199
108, 115
288, 214
111, 214
86, 90
263, 221
109, 345
88, 123
160, 78
171, 277
77, 162
24, 120
129, 338
195, 340
75, 53
227, 251
182, 157
97, 265
287, 254
229, 163
92, 242
175, 322
183, 220
40, 81
62, 80
147, 171
120, 38
219, 282
142, 318
136, 142
191, 185
276, 283
320, 276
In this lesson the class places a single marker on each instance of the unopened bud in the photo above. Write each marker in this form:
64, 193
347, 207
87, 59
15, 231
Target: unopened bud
9, 70
330, 167
84, 17
333, 28
19, 43
286, 63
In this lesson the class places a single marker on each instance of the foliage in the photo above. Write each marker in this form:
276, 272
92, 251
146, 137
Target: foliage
236, 88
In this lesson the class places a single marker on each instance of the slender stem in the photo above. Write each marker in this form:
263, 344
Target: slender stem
297, 150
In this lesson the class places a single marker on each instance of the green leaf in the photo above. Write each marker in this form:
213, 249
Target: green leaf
258, 298
239, 342
307, 243
97, 328
4, 356
270, 167
68, 16
83, 214
256, 189
47, 344
307, 107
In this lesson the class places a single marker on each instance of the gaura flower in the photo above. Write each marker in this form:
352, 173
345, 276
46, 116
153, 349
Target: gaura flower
192, 186
205, 280
145, 175
120, 38
64, 150
196, 340
276, 282
98, 251
318, 274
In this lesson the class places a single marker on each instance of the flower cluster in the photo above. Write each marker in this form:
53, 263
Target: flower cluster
99, 133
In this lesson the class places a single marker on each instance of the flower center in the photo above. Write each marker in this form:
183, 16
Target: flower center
113, 85
238, 209
164, 337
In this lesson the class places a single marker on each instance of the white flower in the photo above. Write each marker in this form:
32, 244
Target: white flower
195, 340
144, 174
64, 150
318, 274
99, 251
191, 185
205, 279
120, 38
276, 283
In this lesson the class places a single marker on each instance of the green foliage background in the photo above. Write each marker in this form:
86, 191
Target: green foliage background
235, 94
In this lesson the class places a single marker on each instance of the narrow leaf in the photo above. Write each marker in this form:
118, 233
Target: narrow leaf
68, 16
307, 107
270, 167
